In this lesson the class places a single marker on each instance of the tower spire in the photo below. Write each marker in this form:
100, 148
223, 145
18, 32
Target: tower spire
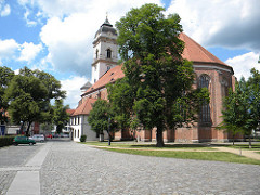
106, 21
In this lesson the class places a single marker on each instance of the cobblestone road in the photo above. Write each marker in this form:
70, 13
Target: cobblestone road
11, 158
72, 168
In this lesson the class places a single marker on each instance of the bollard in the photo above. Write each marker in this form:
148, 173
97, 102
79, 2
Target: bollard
240, 151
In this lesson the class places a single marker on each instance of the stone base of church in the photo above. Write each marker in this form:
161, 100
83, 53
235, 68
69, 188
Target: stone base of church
181, 135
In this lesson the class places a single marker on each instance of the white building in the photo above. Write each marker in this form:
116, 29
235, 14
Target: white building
105, 52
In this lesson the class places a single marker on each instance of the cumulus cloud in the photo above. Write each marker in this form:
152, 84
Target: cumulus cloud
69, 38
243, 63
5, 9
72, 86
29, 51
231, 24
8, 48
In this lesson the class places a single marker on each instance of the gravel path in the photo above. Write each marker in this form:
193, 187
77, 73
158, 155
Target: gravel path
13, 158
72, 168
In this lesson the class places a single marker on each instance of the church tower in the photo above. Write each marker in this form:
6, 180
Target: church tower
105, 50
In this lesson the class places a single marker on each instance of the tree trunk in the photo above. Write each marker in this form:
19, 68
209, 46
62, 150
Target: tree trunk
159, 139
233, 139
28, 128
108, 138
22, 127
249, 141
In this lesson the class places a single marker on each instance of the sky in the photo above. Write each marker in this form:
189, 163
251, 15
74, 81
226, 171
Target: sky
56, 35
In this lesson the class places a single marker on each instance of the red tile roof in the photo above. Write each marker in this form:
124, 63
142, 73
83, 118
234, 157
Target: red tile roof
192, 52
85, 107
111, 75
195, 53
70, 111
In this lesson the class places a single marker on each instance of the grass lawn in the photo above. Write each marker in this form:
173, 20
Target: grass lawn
153, 146
218, 156
254, 147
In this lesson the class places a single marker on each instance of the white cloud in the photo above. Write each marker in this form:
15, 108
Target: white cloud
243, 63
5, 9
232, 24
69, 39
29, 51
72, 86
8, 48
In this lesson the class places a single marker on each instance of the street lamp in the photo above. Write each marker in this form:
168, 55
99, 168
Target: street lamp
108, 131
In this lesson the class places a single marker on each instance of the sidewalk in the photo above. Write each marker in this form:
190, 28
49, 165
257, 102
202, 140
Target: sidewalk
27, 178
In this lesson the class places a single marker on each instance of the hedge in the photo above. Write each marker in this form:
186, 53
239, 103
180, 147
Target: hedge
6, 141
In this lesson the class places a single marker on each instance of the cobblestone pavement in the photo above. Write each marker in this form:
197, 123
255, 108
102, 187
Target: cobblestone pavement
72, 168
12, 158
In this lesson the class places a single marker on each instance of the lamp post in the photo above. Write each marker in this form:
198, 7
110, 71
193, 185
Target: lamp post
108, 131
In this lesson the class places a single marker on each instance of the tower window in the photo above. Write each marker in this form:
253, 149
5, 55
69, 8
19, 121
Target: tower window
109, 53
97, 53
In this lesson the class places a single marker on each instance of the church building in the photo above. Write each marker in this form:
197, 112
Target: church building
210, 72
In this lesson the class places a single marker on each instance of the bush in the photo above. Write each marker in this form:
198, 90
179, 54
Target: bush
6, 141
83, 138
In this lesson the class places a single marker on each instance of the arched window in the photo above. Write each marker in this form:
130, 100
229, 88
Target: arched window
205, 119
109, 53
97, 53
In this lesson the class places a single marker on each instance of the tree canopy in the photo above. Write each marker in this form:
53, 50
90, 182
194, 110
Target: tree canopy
155, 70
242, 106
60, 117
6, 75
29, 95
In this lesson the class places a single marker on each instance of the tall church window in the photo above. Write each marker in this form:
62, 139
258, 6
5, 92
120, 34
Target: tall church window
109, 53
205, 108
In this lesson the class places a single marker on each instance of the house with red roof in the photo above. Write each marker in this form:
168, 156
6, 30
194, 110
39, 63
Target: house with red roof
210, 72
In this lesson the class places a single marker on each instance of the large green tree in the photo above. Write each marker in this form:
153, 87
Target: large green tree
101, 118
154, 67
60, 117
6, 75
242, 106
121, 99
29, 95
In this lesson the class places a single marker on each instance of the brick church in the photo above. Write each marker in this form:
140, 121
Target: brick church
210, 72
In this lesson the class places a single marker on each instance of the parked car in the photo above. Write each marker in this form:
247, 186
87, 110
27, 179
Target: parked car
23, 140
37, 137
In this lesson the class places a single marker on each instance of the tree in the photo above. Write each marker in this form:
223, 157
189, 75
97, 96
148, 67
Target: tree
242, 113
231, 112
121, 98
6, 75
155, 70
30, 94
101, 118
60, 117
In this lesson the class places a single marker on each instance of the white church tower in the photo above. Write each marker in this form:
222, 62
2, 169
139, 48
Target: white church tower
105, 50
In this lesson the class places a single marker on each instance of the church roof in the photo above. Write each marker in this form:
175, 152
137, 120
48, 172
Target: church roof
85, 107
197, 54
111, 76
192, 52
105, 28
86, 86
70, 112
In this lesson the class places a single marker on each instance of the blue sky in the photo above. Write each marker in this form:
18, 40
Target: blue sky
56, 35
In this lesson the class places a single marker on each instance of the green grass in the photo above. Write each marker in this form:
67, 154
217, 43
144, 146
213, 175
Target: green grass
153, 146
217, 156
254, 147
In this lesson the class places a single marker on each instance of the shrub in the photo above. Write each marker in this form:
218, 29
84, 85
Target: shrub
83, 138
6, 141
